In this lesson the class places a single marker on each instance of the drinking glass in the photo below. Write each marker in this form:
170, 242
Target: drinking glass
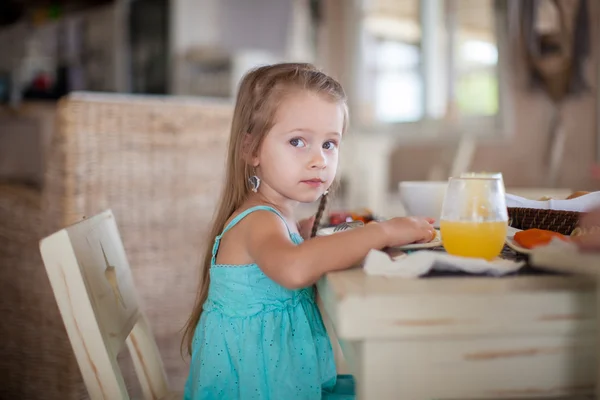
497, 175
474, 217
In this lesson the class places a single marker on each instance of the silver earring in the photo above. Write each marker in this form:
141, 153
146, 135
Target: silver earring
326, 192
254, 182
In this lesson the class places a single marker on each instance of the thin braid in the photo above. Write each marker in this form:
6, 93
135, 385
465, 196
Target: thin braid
319, 215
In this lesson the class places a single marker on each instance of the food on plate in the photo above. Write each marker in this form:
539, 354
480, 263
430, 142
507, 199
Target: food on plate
364, 215
338, 217
545, 198
577, 194
531, 238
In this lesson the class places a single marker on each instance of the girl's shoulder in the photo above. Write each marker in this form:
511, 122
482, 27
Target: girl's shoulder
255, 215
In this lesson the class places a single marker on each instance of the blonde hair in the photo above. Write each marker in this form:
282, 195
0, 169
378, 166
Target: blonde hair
260, 93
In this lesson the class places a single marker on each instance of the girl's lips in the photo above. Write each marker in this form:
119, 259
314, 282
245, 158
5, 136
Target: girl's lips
313, 182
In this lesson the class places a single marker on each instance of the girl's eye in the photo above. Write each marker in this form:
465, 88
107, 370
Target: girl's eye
329, 145
297, 142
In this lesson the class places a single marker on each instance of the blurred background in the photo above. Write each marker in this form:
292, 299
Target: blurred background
428, 79
126, 104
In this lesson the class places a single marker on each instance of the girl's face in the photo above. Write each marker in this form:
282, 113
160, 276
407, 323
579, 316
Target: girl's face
299, 156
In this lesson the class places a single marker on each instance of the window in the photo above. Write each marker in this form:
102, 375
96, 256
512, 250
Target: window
476, 58
426, 60
396, 70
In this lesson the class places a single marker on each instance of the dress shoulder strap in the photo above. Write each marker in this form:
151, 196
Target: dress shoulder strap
240, 217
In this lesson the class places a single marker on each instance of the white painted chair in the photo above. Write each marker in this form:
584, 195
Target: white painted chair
93, 286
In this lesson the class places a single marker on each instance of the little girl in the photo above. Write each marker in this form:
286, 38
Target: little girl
256, 332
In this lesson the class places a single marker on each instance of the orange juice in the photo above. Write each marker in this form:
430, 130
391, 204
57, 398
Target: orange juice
474, 239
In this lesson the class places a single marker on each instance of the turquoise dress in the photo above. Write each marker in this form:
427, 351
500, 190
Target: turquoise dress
259, 340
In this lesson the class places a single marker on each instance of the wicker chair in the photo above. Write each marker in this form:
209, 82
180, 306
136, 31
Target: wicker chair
158, 163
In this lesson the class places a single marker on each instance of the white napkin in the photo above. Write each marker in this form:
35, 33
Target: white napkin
419, 263
580, 204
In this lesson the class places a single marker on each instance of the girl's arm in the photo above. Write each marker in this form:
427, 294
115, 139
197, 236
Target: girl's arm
296, 266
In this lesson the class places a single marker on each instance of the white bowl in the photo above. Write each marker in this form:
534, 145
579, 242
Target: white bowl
423, 198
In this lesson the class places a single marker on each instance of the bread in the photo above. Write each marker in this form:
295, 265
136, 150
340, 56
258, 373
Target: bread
574, 195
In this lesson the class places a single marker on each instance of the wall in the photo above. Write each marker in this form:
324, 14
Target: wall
192, 23
269, 27
520, 158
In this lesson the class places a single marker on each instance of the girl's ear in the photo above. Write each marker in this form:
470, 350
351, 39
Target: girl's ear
250, 158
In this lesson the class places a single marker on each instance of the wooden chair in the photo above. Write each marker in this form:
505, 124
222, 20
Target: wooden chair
93, 286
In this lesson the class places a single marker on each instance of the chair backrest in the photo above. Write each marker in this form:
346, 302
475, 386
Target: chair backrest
93, 286
158, 162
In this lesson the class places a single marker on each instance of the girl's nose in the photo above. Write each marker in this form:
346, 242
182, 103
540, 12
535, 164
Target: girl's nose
318, 160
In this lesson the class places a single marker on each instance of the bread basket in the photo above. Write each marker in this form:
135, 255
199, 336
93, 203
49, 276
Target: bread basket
559, 221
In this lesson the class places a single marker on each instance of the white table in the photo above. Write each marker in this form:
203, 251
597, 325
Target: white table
464, 337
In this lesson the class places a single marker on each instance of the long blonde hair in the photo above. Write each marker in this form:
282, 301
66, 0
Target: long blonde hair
260, 92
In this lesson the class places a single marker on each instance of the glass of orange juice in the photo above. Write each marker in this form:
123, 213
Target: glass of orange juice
474, 218
497, 175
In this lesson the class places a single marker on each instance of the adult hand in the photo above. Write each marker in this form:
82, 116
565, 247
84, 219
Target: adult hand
590, 224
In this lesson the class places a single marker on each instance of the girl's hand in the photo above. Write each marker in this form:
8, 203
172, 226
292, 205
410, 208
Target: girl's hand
305, 227
406, 230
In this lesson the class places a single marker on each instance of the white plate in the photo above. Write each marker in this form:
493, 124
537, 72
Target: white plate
436, 242
510, 241
326, 231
